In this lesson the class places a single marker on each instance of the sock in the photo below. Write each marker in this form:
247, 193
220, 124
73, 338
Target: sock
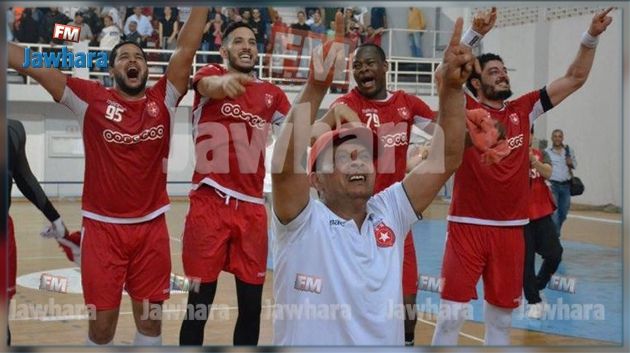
143, 340
498, 322
449, 323
247, 328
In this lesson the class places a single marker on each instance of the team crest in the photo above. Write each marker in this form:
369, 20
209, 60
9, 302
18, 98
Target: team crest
152, 109
384, 235
268, 100
404, 113
514, 118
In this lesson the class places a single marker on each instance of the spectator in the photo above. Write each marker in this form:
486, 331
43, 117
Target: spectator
217, 28
301, 23
134, 35
318, 25
92, 18
183, 13
143, 24
310, 12
374, 36
114, 14
415, 23
110, 35
260, 30
108, 38
153, 41
26, 30
540, 233
48, 24
378, 18
231, 15
563, 161
354, 33
168, 28
86, 33
246, 16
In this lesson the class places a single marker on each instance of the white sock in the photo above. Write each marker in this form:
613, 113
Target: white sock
449, 323
143, 340
89, 342
498, 322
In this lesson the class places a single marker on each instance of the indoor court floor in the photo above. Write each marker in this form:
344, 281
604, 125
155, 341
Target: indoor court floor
591, 268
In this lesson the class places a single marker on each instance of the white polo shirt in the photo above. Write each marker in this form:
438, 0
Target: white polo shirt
337, 285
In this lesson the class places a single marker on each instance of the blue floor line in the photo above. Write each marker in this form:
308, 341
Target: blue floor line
594, 311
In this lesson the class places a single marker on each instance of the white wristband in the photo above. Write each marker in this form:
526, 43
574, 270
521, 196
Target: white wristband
471, 38
588, 40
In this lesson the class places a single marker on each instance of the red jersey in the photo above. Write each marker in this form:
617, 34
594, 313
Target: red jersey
498, 194
391, 119
541, 201
126, 149
230, 136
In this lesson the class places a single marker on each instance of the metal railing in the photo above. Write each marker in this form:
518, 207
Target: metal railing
414, 75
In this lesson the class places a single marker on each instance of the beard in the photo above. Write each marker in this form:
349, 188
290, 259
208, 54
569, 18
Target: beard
132, 91
492, 94
232, 59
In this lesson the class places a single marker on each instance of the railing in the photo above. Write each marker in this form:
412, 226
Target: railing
414, 75
434, 42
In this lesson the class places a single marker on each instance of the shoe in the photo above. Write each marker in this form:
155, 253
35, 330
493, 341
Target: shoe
535, 311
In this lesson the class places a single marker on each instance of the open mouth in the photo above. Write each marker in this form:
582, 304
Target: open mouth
133, 72
368, 82
356, 178
246, 57
504, 82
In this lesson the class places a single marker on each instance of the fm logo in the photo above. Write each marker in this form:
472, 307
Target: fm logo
307, 283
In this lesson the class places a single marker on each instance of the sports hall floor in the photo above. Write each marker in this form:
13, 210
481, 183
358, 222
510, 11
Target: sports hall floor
593, 257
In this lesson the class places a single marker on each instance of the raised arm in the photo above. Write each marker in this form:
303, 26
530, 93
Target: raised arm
447, 146
53, 80
579, 69
542, 166
290, 185
188, 42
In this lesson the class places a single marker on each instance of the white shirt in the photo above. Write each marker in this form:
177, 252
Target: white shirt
110, 36
183, 13
337, 285
113, 13
144, 25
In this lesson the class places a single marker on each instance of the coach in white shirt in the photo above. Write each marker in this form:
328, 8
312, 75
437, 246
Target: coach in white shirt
144, 24
338, 260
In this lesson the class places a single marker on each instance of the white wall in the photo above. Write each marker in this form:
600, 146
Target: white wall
537, 54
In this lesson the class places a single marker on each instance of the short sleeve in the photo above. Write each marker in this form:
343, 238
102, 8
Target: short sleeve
286, 232
344, 100
421, 112
208, 70
534, 104
79, 93
167, 91
394, 204
282, 108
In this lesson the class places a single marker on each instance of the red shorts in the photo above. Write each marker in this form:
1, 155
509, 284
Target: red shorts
495, 253
12, 259
136, 256
224, 235
410, 267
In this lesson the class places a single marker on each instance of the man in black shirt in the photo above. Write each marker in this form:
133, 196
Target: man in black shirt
20, 172
301, 23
